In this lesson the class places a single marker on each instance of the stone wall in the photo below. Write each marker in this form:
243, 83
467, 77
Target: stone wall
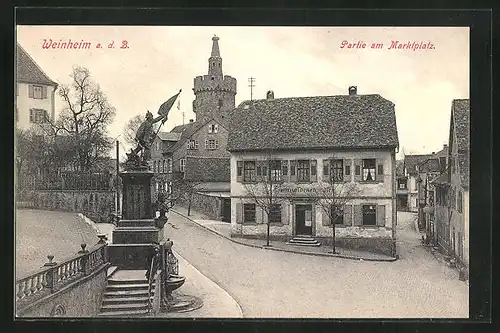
208, 205
96, 205
82, 298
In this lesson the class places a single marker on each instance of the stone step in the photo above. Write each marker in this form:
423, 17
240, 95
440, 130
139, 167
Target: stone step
136, 223
127, 281
127, 286
123, 313
125, 300
111, 271
124, 307
304, 244
127, 293
303, 241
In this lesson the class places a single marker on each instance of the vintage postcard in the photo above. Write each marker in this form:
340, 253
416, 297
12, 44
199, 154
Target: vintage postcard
242, 172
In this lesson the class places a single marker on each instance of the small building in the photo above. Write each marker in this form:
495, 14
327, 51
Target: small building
401, 187
452, 188
353, 137
35, 93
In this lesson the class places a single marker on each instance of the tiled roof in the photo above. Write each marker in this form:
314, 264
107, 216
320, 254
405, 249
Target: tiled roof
358, 121
28, 71
411, 162
429, 165
185, 132
461, 120
169, 136
207, 169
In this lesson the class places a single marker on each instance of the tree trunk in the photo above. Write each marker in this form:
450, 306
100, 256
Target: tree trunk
189, 204
268, 229
333, 236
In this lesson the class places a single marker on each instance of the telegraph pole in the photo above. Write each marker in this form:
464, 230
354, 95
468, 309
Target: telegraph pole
251, 84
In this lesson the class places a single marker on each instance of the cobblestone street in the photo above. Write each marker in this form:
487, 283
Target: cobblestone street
277, 284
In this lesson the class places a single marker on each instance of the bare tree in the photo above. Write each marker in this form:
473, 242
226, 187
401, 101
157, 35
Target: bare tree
266, 192
84, 118
333, 194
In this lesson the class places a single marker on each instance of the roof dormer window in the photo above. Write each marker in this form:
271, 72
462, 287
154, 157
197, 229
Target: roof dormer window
213, 128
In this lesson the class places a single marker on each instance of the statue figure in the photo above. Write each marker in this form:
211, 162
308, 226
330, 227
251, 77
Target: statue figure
145, 135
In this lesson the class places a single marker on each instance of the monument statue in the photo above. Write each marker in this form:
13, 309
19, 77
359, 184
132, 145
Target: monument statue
145, 136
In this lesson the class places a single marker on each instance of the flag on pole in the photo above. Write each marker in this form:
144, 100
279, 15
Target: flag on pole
178, 104
165, 107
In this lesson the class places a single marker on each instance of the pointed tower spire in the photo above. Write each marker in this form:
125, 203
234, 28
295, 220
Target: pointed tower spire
215, 47
215, 60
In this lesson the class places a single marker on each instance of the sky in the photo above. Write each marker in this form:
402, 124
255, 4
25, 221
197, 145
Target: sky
291, 61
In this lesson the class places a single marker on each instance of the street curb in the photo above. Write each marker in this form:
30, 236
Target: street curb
282, 250
216, 284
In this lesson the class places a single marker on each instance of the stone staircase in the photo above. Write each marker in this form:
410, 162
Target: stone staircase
126, 294
303, 240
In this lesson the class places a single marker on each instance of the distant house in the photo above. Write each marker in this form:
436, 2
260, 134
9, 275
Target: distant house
35, 93
401, 187
452, 188
303, 134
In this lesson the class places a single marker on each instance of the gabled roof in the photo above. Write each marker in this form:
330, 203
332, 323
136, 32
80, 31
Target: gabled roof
169, 136
461, 121
411, 162
344, 121
28, 71
429, 165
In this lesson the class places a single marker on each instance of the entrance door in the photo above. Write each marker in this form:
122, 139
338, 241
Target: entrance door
303, 219
226, 210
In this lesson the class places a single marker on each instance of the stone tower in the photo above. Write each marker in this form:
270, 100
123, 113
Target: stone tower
215, 91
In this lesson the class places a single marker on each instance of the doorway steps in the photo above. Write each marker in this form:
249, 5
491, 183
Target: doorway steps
126, 295
303, 240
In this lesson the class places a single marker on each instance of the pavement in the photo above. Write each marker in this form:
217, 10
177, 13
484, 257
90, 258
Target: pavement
223, 229
278, 284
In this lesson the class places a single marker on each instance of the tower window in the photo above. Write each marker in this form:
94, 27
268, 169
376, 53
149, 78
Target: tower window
220, 102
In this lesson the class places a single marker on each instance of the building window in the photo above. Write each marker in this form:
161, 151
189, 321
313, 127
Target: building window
275, 213
193, 144
284, 167
369, 217
460, 202
213, 128
154, 166
303, 171
182, 165
348, 170
337, 214
275, 170
164, 168
37, 92
338, 170
169, 162
38, 116
249, 171
211, 144
249, 213
369, 169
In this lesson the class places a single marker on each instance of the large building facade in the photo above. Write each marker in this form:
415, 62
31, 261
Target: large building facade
35, 93
451, 208
311, 138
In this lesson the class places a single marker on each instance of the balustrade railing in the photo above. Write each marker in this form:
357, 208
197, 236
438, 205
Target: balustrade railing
54, 276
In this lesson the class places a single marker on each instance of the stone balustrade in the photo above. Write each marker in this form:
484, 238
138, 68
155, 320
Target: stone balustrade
54, 276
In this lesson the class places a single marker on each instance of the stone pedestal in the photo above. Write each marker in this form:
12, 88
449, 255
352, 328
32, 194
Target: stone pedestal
138, 228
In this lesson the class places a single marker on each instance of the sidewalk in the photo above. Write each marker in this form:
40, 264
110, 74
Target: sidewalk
223, 229
217, 303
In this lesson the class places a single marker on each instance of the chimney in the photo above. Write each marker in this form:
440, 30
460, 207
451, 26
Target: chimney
433, 152
191, 120
270, 94
445, 146
353, 90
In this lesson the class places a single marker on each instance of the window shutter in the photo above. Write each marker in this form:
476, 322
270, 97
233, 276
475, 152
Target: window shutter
325, 219
239, 166
314, 170
380, 170
216, 144
326, 169
381, 215
358, 170
44, 92
347, 169
258, 214
285, 171
284, 213
358, 215
239, 212
30, 91
216, 129
348, 215
293, 171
